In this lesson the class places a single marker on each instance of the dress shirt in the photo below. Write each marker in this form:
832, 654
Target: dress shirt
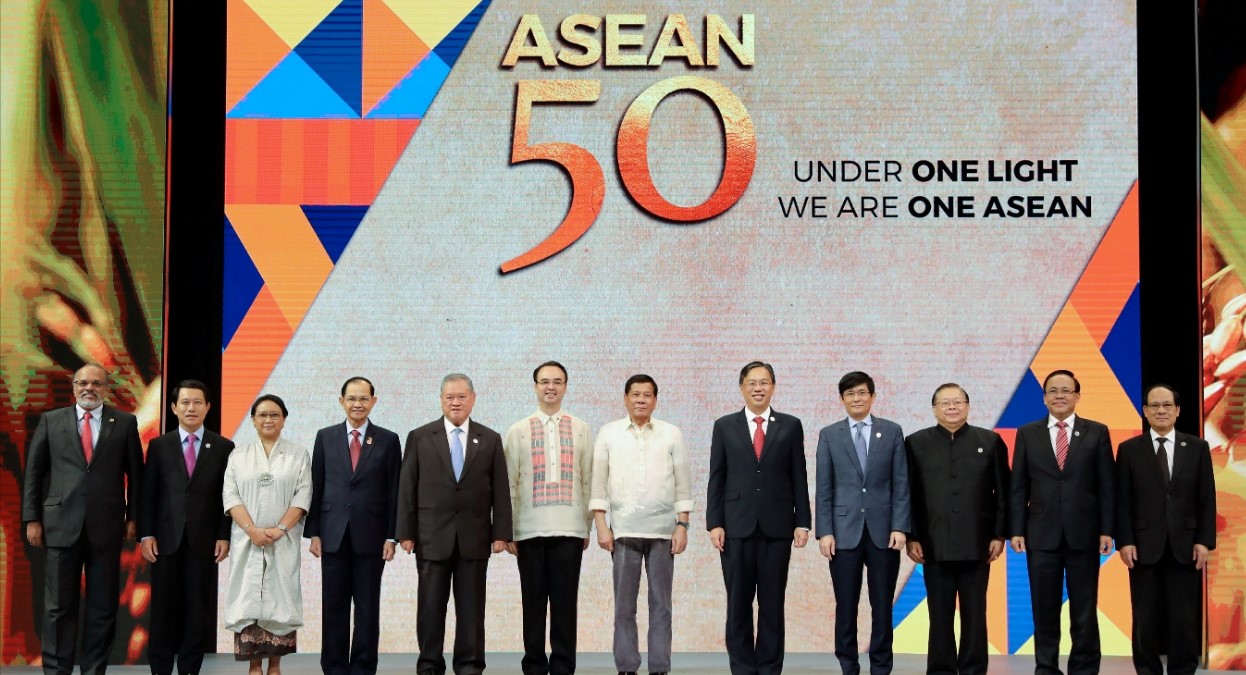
1170, 447
865, 432
198, 439
363, 432
752, 426
642, 477
1053, 431
96, 422
450, 434
540, 510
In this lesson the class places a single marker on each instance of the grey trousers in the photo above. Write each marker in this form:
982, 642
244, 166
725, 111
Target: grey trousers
655, 554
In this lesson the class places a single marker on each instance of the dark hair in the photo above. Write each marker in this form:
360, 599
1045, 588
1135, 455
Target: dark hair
1077, 386
359, 378
555, 364
275, 399
640, 378
1146, 395
948, 385
191, 384
756, 364
855, 379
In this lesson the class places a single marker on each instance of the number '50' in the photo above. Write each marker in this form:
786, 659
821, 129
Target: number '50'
588, 184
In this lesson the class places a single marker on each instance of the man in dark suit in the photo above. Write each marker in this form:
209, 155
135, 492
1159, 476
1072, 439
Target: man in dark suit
1060, 514
756, 510
959, 475
184, 532
863, 515
1165, 529
453, 500
76, 500
351, 524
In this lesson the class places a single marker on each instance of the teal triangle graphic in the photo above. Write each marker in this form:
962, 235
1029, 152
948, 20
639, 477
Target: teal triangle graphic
292, 90
412, 95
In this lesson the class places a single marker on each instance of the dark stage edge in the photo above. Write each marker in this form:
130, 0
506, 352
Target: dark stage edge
603, 664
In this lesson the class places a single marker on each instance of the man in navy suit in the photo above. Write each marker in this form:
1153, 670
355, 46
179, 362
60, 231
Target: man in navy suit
184, 532
757, 510
1165, 529
355, 469
1060, 514
863, 513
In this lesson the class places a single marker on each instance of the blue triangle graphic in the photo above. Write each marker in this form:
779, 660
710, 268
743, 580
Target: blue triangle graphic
1026, 404
1123, 349
242, 283
334, 49
412, 95
452, 44
1020, 616
292, 90
910, 597
334, 225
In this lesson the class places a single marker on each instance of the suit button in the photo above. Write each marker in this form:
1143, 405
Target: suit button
759, 489
348, 506
759, 471
955, 510
863, 489
862, 510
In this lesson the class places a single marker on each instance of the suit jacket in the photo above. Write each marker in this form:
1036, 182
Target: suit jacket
364, 498
70, 497
436, 511
960, 491
1148, 513
850, 496
746, 493
173, 503
1047, 505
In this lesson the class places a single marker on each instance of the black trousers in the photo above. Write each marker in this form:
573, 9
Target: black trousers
755, 567
62, 590
1167, 612
882, 567
182, 585
467, 580
946, 582
1048, 571
351, 576
549, 575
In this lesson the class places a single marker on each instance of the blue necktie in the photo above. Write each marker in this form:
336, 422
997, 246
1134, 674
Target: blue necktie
456, 453
859, 442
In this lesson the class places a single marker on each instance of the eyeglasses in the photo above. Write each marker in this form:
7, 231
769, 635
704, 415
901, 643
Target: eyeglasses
358, 399
757, 383
556, 383
1060, 392
958, 403
857, 393
268, 416
1161, 406
83, 384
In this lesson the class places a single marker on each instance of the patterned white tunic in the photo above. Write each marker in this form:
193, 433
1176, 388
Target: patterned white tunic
264, 584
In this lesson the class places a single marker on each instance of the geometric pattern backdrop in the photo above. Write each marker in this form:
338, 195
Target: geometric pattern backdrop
322, 97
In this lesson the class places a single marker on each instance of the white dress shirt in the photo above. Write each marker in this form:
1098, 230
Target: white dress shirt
1053, 430
1170, 447
95, 422
642, 477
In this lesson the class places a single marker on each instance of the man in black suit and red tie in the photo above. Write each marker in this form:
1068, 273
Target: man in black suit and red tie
757, 510
1060, 513
353, 516
184, 532
1165, 529
80, 499
454, 510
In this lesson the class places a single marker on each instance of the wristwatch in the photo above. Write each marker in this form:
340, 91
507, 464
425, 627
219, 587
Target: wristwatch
282, 527
682, 524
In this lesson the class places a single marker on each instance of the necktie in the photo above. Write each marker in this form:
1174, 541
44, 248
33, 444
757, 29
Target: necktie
86, 436
456, 453
759, 436
858, 441
1161, 456
190, 454
1062, 443
354, 449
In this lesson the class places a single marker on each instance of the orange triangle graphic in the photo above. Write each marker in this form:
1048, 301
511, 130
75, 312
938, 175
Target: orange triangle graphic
390, 51
1112, 273
253, 50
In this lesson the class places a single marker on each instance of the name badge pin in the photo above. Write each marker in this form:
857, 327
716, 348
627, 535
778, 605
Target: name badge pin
110, 420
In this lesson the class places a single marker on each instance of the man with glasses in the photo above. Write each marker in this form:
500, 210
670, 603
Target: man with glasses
1165, 529
80, 500
1060, 515
959, 475
549, 458
863, 515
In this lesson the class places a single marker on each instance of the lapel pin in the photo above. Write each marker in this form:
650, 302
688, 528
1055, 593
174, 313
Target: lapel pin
475, 440
369, 440
979, 449
110, 420
207, 445
771, 419
878, 435
1077, 433
1183, 444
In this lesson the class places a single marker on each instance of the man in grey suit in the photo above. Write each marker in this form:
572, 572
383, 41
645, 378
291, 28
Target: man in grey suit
77, 502
862, 515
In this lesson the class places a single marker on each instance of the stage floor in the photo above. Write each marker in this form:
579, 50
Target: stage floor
603, 664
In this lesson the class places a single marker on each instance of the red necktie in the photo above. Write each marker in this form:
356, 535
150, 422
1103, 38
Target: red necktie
190, 454
759, 436
1062, 443
86, 435
354, 449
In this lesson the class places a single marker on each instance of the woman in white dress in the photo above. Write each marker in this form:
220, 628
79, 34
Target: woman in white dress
267, 492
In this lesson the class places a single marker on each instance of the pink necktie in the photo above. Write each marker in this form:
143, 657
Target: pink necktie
86, 435
190, 454
759, 436
354, 449
1062, 443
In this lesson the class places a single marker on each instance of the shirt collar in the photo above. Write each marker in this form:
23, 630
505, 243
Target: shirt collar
632, 425
96, 414
450, 427
1171, 436
750, 415
184, 433
1070, 420
557, 417
868, 421
363, 429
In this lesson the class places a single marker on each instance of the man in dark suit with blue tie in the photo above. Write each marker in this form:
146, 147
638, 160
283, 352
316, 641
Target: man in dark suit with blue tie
184, 532
1165, 530
1060, 514
863, 514
80, 499
757, 510
355, 468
